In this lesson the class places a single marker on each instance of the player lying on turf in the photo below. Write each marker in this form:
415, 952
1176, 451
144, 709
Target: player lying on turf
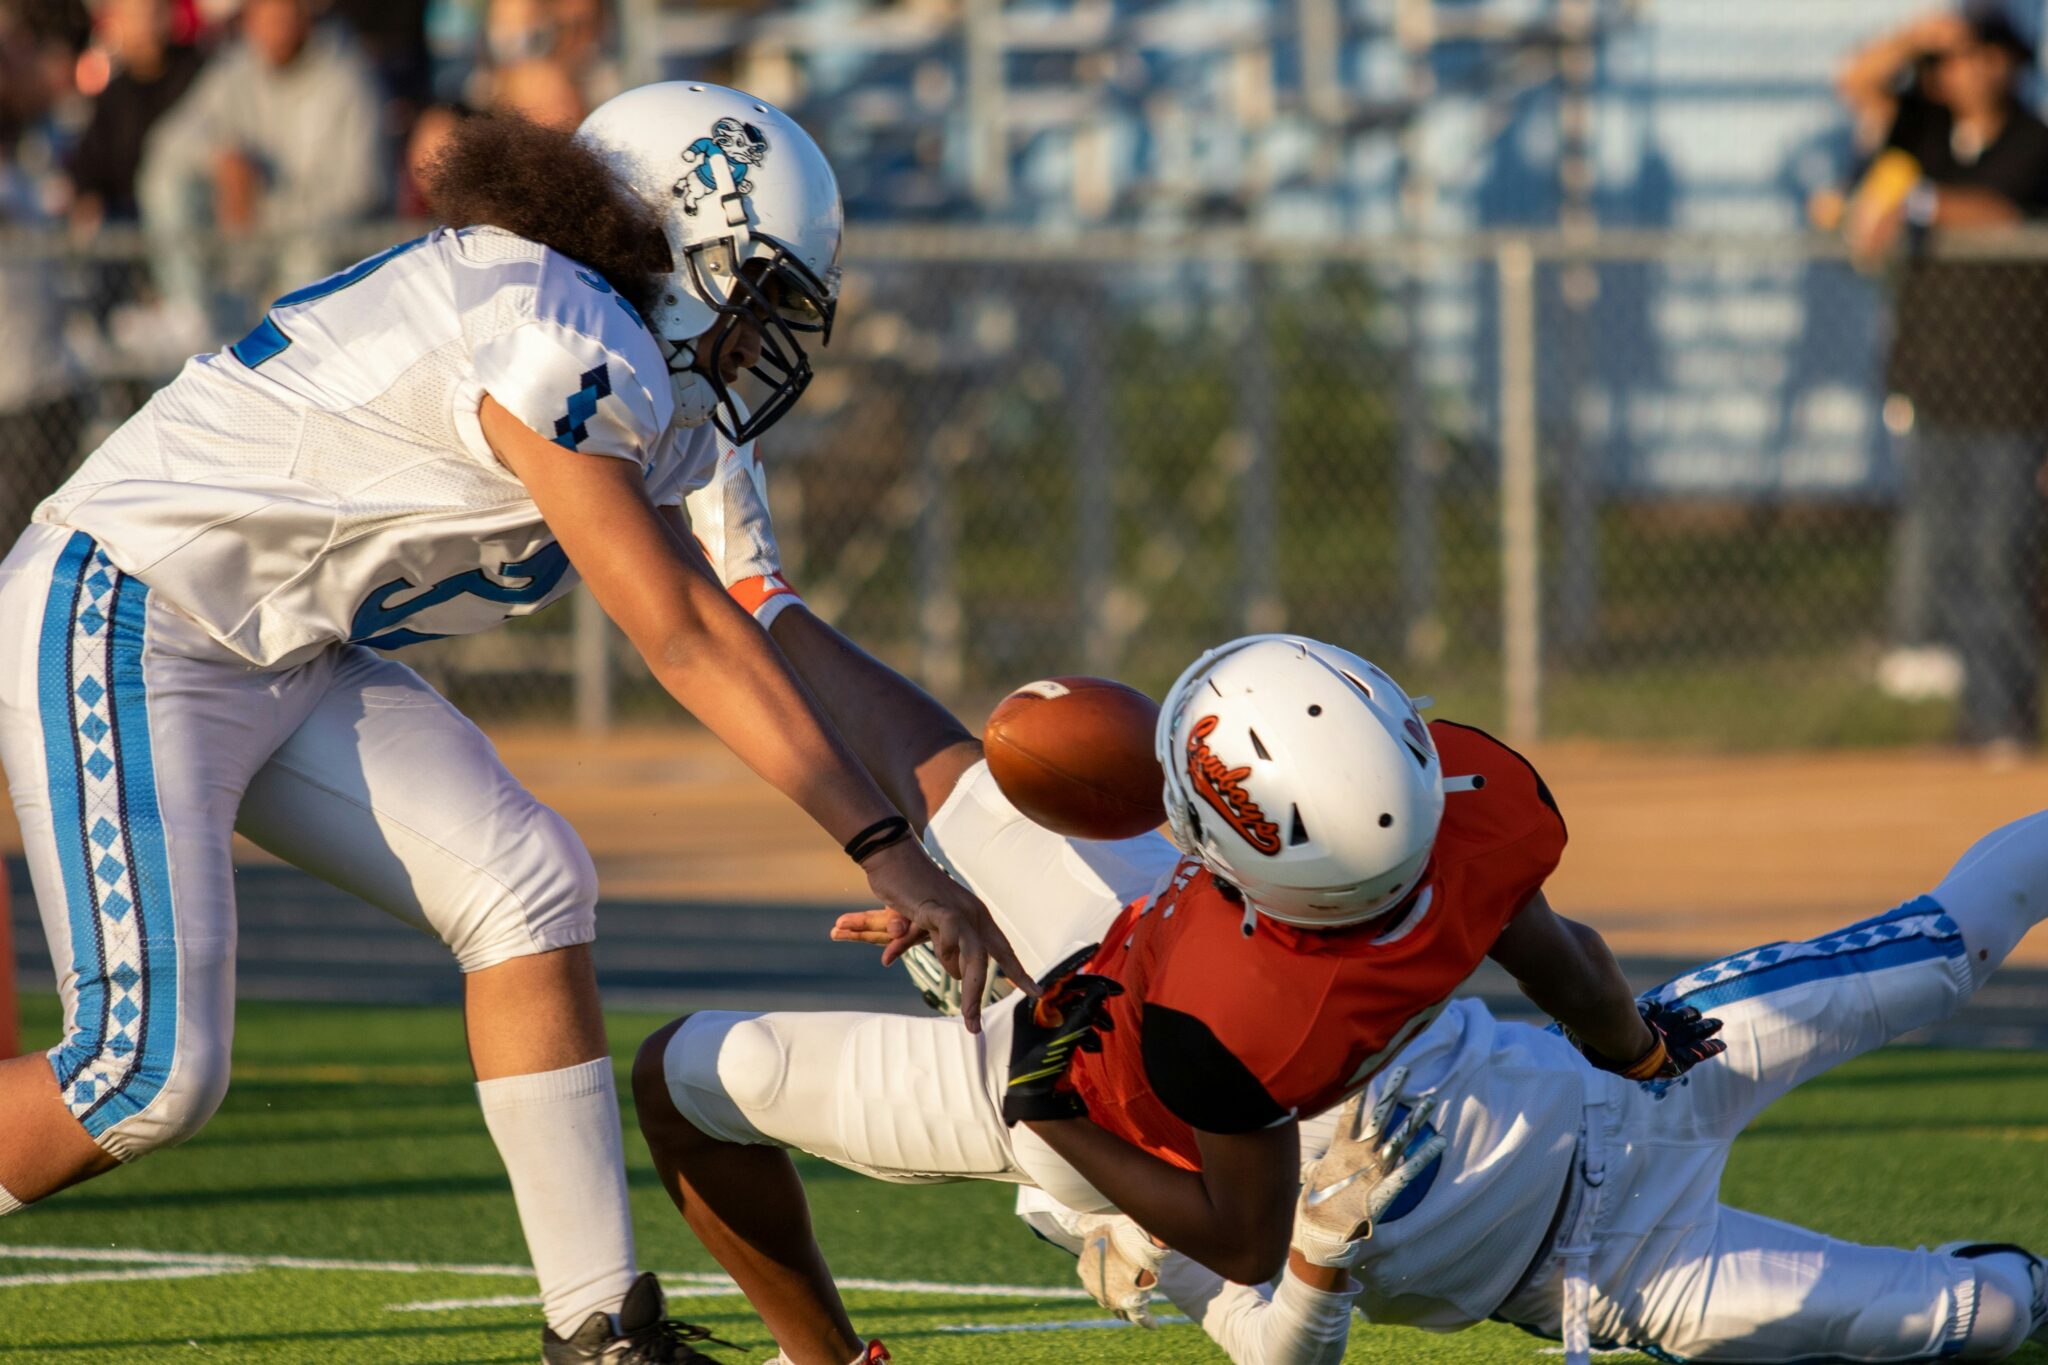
1269, 973
1489, 1166
444, 435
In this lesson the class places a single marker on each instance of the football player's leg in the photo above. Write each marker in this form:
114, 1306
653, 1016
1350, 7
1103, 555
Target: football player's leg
722, 1098
1749, 1288
1790, 1011
1050, 894
1998, 891
127, 741
391, 794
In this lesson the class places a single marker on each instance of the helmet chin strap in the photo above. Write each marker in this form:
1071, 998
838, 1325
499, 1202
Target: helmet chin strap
695, 399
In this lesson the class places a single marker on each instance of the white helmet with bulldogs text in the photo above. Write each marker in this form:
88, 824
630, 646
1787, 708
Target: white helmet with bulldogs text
1303, 776
752, 215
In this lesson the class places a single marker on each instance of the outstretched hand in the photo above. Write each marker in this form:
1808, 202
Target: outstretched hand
880, 928
927, 904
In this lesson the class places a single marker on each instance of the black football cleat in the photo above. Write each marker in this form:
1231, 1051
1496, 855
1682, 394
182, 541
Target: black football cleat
644, 1336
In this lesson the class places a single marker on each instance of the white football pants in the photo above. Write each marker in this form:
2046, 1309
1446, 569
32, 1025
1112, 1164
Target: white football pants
1675, 1269
919, 1099
135, 746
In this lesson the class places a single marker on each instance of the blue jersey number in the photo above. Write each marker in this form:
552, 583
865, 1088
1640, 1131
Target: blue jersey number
267, 340
535, 577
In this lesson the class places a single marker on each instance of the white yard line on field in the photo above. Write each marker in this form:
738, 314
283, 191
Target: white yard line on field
1072, 1325
458, 1305
221, 1261
224, 1261
158, 1272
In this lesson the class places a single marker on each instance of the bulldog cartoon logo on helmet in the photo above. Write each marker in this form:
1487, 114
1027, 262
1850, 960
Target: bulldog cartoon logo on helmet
741, 145
1223, 789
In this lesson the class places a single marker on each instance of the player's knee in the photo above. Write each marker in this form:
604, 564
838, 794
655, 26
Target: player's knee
155, 1104
2007, 869
551, 905
651, 1100
710, 1070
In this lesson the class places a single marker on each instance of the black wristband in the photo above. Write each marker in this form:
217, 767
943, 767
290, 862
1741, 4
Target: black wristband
892, 830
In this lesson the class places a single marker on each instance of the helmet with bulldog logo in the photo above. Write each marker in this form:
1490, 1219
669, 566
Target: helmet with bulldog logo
751, 212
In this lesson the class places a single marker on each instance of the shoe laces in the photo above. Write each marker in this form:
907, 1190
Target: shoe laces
670, 1340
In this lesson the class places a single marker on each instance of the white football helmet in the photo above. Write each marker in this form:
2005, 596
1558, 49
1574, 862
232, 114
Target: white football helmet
752, 214
1303, 776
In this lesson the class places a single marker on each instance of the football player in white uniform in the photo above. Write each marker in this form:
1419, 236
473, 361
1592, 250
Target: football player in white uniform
447, 434
1491, 1147
1490, 1170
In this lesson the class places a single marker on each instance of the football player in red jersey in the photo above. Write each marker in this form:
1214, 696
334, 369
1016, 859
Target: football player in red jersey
1326, 898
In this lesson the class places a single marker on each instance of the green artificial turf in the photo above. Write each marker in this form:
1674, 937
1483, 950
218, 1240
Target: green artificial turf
351, 1134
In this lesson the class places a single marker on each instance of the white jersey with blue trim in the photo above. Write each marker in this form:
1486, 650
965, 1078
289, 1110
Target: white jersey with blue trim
326, 478
1511, 1101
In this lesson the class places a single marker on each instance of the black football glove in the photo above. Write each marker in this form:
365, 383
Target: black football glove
1046, 1032
1683, 1039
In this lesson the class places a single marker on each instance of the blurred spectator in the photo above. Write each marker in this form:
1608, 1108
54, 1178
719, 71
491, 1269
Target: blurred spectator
149, 74
543, 59
393, 37
280, 133
540, 90
583, 47
1937, 103
430, 133
42, 391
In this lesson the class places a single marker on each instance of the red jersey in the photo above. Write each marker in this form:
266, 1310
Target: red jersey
1231, 1034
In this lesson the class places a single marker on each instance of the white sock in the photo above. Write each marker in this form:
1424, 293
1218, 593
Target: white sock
1313, 1324
1288, 1324
1998, 891
8, 1203
558, 1135
2005, 1307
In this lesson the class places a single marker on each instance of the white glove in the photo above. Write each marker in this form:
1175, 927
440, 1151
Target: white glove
937, 986
1363, 1173
729, 517
1119, 1265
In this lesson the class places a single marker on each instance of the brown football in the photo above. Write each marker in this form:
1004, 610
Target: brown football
1075, 755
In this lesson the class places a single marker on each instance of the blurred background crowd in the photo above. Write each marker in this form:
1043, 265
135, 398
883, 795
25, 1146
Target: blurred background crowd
1640, 368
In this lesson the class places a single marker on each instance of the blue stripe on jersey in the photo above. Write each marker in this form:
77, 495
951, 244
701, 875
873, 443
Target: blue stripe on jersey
572, 429
267, 340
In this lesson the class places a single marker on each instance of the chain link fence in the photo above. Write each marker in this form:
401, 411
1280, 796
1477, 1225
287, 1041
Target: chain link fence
1642, 486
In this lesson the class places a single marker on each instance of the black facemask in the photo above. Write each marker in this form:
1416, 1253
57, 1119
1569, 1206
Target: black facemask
786, 300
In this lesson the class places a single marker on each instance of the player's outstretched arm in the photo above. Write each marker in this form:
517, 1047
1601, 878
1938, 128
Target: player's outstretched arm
719, 665
1567, 969
915, 748
912, 746
1235, 1215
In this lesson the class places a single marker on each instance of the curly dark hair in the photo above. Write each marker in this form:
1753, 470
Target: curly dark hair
509, 172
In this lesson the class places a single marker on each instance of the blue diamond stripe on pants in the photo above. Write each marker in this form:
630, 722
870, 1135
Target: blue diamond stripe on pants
57, 701
156, 1031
